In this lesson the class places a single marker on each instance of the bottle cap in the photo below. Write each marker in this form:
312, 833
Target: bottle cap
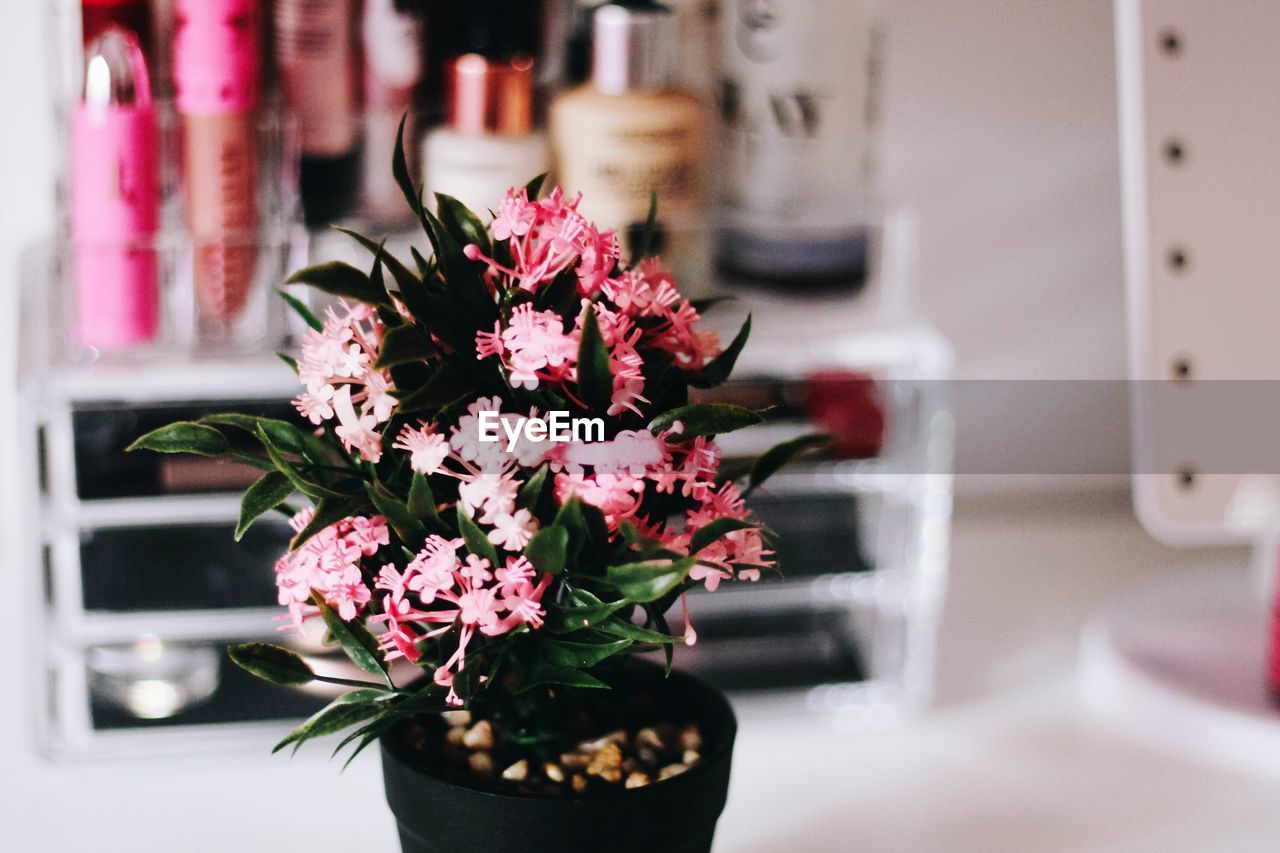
216, 56
489, 96
115, 73
633, 47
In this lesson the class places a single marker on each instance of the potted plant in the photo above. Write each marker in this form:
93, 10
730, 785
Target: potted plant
510, 489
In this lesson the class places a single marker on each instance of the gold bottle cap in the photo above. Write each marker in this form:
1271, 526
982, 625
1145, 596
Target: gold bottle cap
490, 96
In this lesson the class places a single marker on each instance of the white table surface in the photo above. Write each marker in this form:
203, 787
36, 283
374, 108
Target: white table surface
1004, 760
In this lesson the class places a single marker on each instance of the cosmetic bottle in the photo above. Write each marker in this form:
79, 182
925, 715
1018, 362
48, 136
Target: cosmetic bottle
132, 16
630, 131
798, 104
115, 197
488, 144
216, 72
393, 34
315, 49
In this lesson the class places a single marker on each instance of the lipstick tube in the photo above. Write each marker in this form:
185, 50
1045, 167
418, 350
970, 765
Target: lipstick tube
115, 197
216, 71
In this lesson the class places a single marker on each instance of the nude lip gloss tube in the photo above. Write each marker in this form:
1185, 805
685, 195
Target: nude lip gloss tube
115, 197
216, 71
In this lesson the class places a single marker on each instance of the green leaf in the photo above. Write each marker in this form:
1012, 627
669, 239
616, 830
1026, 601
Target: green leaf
422, 503
184, 437
342, 713
649, 580
570, 518
706, 419
643, 247
718, 370
354, 638
271, 663
403, 345
581, 655
310, 488
477, 542
286, 436
400, 171
531, 492
775, 458
543, 673
462, 223
534, 187
403, 277
271, 490
583, 611
547, 549
616, 626
289, 360
300, 308
411, 531
595, 381
718, 529
341, 279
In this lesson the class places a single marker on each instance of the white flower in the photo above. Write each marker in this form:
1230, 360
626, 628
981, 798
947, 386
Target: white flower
513, 531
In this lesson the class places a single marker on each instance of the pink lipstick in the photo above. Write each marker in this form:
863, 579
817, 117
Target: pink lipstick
115, 197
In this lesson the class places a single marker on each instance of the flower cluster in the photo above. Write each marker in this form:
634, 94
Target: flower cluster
337, 368
438, 589
502, 568
636, 308
328, 565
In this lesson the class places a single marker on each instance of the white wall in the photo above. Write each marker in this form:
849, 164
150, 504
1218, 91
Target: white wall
1001, 138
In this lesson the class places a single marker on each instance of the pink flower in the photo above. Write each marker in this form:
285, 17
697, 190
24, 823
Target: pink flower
616, 495
357, 432
513, 531
348, 593
329, 564
316, 406
515, 216
491, 495
533, 346
427, 449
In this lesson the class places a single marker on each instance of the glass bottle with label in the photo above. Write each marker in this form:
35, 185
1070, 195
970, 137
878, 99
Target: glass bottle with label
631, 131
489, 144
798, 107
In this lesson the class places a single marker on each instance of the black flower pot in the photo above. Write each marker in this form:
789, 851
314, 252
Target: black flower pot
438, 813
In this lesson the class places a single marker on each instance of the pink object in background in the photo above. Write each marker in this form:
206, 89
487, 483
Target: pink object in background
115, 197
1273, 652
216, 72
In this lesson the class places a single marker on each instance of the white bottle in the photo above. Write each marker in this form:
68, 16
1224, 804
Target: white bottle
488, 144
393, 69
632, 131
798, 104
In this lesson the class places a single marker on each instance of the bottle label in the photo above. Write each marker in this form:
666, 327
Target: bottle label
797, 104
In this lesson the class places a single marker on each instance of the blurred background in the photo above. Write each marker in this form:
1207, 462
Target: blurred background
943, 667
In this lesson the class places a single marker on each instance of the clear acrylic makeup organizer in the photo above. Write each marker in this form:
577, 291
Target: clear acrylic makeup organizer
116, 676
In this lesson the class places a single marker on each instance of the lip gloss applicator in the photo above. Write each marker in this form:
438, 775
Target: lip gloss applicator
216, 70
115, 197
